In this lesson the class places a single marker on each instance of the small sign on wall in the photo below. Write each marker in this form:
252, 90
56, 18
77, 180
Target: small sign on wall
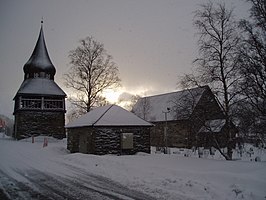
127, 140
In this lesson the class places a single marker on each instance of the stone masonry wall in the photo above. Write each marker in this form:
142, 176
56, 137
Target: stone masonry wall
108, 140
73, 139
28, 123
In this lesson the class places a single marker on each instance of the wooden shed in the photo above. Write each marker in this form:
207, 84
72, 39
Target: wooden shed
109, 130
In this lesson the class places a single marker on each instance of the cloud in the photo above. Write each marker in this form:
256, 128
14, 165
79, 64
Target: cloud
125, 96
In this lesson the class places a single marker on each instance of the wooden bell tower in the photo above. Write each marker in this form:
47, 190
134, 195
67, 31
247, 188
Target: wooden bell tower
39, 103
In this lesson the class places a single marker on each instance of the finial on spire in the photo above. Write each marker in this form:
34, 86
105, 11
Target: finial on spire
42, 21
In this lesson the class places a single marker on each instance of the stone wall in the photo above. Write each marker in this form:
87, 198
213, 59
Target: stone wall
108, 140
73, 138
28, 123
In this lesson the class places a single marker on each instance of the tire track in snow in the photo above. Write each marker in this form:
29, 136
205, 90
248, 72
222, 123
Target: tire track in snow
11, 189
82, 186
106, 184
57, 188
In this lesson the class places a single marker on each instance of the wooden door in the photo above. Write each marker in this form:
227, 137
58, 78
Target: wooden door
83, 143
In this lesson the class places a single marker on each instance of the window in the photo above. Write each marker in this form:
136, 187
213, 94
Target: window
127, 140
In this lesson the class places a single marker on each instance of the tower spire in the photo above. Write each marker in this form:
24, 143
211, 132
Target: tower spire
39, 63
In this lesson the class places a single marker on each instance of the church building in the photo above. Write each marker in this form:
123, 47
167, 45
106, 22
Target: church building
39, 102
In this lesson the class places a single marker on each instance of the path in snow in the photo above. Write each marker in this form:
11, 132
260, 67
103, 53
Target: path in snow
27, 175
42, 185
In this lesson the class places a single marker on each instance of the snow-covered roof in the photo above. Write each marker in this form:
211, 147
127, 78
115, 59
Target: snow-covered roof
40, 86
111, 115
213, 126
179, 105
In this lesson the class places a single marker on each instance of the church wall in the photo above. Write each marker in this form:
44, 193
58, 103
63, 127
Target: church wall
177, 134
183, 133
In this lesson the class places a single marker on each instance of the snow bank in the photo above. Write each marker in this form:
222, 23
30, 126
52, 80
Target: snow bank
171, 177
161, 176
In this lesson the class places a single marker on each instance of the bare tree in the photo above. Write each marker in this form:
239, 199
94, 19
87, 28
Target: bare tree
92, 71
218, 50
146, 107
253, 62
206, 121
184, 104
127, 100
143, 108
74, 113
217, 64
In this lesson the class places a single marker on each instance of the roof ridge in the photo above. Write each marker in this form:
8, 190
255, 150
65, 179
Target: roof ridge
103, 114
175, 91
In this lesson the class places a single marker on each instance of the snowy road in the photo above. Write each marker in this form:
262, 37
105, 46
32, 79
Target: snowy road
36, 175
30, 171
41, 185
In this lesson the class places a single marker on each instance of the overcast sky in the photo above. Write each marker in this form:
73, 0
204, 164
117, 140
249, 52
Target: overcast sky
152, 41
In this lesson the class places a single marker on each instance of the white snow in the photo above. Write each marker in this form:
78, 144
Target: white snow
161, 176
110, 115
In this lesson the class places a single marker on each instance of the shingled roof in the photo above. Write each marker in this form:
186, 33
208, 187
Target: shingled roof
39, 73
40, 60
40, 86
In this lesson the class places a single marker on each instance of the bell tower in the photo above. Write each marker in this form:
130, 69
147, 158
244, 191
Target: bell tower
39, 102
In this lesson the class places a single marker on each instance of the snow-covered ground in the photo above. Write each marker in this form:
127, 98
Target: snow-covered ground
157, 175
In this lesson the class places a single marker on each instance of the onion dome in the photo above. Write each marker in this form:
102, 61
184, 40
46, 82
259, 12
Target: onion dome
39, 64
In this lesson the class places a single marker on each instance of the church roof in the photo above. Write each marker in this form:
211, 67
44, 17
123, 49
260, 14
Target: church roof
178, 105
40, 86
110, 115
40, 60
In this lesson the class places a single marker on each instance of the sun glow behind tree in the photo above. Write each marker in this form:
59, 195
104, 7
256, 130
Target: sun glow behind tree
112, 96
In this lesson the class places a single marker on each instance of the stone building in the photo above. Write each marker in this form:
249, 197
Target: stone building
108, 130
180, 117
39, 103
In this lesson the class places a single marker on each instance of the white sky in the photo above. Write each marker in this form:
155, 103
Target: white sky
152, 41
